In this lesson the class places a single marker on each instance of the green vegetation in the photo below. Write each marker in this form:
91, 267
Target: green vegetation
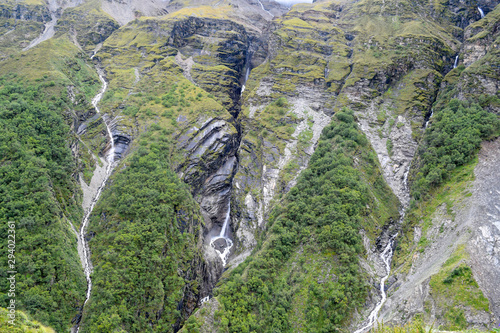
421, 213
455, 135
415, 326
276, 119
38, 193
418, 326
306, 274
22, 324
454, 289
144, 246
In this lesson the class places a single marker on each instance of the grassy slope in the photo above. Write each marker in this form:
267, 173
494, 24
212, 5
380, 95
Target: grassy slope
468, 83
142, 108
17, 34
145, 246
23, 324
88, 23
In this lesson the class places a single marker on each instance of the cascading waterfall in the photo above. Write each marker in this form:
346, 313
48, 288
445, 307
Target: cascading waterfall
222, 236
456, 62
87, 264
480, 12
386, 257
428, 120
48, 32
247, 71
262, 6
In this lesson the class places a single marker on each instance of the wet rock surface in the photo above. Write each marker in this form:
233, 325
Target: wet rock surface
484, 245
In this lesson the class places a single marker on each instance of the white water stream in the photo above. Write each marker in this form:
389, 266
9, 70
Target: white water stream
386, 257
86, 263
456, 62
47, 33
229, 243
480, 12
428, 120
262, 6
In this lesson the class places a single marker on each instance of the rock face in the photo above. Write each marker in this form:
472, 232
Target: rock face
471, 222
412, 294
129, 10
25, 12
242, 91
209, 164
480, 57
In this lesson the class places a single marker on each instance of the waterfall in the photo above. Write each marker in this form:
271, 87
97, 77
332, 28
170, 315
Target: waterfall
247, 74
222, 235
87, 264
456, 62
262, 6
226, 220
386, 257
95, 101
480, 12
427, 122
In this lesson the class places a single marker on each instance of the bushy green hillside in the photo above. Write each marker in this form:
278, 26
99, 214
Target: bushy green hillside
144, 245
40, 191
305, 276
453, 140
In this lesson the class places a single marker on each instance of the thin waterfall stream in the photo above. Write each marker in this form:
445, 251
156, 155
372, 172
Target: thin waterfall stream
247, 74
386, 257
110, 160
428, 120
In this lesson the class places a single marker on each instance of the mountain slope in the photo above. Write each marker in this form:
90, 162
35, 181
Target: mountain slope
262, 160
